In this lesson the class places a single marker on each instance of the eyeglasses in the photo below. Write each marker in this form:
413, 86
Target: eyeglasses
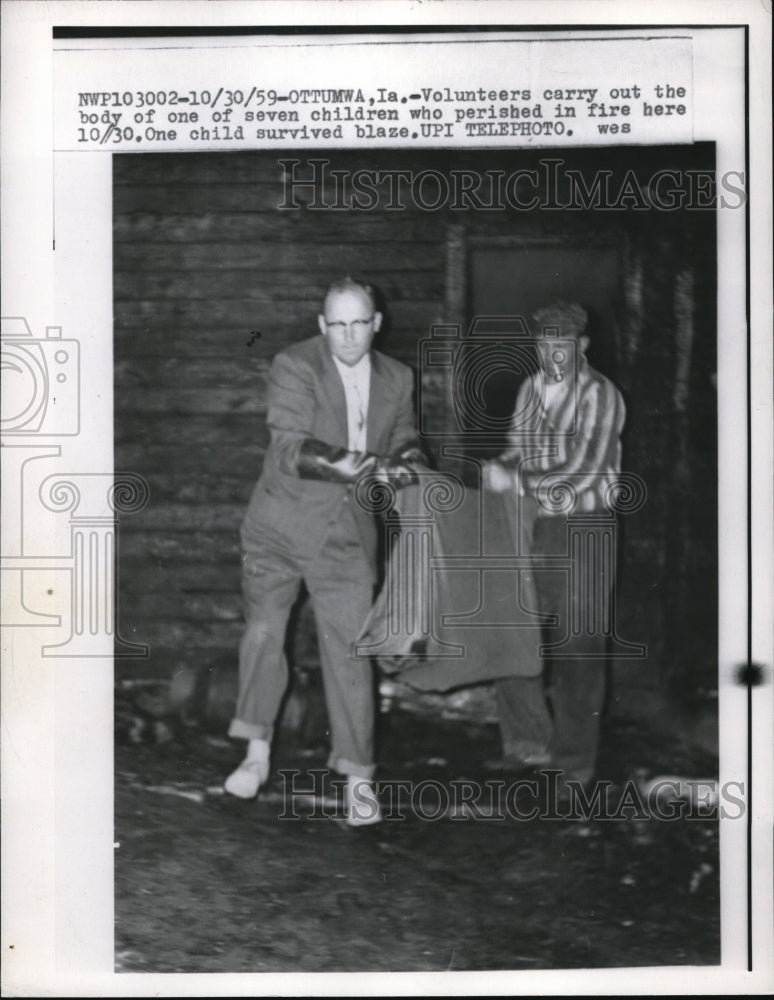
357, 326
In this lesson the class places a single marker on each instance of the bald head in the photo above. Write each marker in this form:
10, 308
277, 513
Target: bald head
349, 284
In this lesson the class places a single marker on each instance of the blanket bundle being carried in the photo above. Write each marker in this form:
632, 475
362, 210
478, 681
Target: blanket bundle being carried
458, 603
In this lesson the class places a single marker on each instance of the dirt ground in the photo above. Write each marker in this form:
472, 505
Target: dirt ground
207, 883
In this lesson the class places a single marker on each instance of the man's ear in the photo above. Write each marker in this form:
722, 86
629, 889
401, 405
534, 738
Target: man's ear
377, 321
321, 324
583, 343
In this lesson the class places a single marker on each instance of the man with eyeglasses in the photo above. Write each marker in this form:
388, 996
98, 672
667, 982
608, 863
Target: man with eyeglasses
336, 411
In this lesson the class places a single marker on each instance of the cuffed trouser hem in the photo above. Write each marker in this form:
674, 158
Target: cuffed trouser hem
250, 731
575, 769
527, 751
345, 766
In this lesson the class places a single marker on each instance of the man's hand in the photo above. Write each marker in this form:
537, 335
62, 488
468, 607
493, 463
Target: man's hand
395, 472
497, 478
402, 468
411, 454
318, 460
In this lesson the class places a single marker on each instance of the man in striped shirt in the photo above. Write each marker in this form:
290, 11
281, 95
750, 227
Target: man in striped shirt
563, 459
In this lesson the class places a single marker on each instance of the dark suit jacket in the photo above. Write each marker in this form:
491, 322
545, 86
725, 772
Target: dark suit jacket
306, 399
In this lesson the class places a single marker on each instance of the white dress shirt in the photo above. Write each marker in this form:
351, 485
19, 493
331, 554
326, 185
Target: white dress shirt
357, 388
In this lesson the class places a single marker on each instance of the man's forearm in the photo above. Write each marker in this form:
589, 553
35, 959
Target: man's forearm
330, 463
334, 464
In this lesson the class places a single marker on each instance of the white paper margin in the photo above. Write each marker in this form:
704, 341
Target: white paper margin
57, 771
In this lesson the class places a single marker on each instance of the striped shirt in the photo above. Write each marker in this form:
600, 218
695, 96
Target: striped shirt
564, 441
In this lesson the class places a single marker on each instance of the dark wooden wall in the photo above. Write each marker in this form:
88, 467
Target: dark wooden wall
211, 278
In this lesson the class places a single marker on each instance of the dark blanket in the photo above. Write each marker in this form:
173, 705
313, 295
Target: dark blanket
458, 604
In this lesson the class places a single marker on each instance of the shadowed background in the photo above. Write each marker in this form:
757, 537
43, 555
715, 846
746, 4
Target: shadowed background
212, 278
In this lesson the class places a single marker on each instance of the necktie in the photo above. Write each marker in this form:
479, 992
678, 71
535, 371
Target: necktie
360, 409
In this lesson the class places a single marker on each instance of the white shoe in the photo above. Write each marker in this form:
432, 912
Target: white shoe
247, 779
251, 773
362, 805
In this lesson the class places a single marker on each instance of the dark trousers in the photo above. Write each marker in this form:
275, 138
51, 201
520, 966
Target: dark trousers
576, 593
340, 580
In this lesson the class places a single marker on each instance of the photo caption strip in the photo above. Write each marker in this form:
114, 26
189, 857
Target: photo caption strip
485, 91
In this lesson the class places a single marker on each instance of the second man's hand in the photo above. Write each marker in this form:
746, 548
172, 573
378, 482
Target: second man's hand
496, 477
395, 472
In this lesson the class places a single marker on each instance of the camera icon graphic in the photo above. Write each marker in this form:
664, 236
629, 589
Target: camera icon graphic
493, 350
41, 381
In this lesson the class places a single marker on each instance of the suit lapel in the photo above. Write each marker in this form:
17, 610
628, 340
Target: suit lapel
379, 395
333, 389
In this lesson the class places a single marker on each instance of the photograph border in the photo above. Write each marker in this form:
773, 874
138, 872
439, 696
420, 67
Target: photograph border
42, 292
